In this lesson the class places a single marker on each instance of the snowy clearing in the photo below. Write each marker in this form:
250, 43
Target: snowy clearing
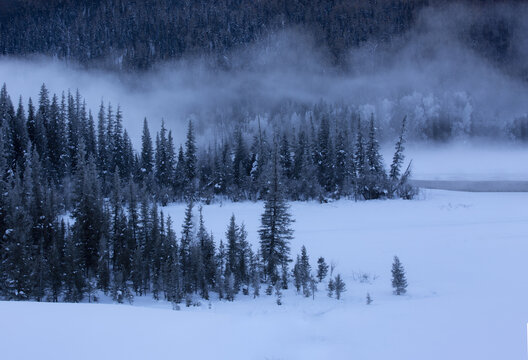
470, 161
465, 257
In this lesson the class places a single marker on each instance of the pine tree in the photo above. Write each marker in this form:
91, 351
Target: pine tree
55, 136
232, 249
341, 160
360, 163
147, 153
143, 256
207, 251
399, 280
75, 281
88, 211
297, 274
305, 270
299, 156
331, 287
322, 269
220, 270
156, 239
240, 160
179, 174
376, 177
110, 140
171, 161
19, 138
185, 247
324, 156
190, 159
102, 146
41, 124
275, 230
285, 158
397, 160
73, 132
119, 148
244, 259
255, 274
89, 133
172, 271
339, 286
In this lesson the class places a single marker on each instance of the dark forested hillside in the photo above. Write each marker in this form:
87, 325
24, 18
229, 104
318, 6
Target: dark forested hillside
136, 34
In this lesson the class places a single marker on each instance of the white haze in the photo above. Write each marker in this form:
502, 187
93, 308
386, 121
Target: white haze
426, 74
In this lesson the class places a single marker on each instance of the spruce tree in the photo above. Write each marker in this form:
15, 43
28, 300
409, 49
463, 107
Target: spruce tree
297, 274
275, 230
232, 248
220, 270
89, 133
56, 263
207, 250
19, 138
397, 160
244, 259
376, 177
185, 247
324, 156
102, 146
190, 160
331, 287
147, 153
88, 211
240, 160
341, 160
339, 286
360, 163
285, 157
255, 274
399, 280
322, 269
41, 123
75, 280
73, 132
55, 136
305, 269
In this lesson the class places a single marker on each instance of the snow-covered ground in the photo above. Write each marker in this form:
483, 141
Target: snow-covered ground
465, 256
467, 161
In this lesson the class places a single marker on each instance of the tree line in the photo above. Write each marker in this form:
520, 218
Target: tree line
79, 211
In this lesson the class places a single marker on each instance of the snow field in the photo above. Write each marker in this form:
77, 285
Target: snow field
465, 257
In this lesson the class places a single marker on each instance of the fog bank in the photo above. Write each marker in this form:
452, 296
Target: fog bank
429, 75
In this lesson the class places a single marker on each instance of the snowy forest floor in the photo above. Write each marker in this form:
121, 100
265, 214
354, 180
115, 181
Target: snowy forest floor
464, 253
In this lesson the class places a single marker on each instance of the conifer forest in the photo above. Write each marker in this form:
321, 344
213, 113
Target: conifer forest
265, 179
